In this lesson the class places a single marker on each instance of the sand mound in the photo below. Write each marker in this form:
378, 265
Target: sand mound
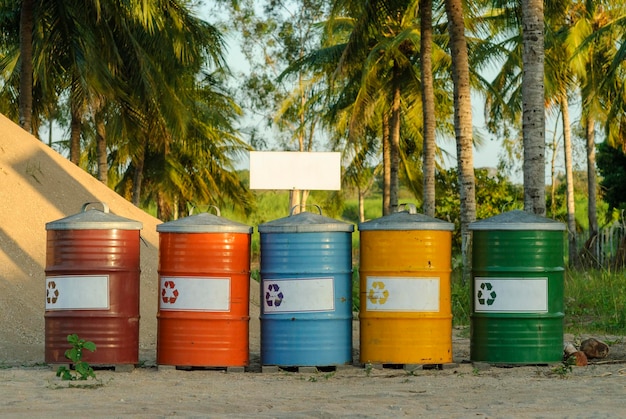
38, 185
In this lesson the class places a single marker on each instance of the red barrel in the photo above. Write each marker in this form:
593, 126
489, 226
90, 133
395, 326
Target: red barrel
92, 286
204, 292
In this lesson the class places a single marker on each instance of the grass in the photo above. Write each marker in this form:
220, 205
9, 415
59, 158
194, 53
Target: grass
595, 301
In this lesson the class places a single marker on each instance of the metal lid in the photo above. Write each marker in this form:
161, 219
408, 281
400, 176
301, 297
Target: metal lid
204, 223
408, 219
305, 222
517, 220
94, 219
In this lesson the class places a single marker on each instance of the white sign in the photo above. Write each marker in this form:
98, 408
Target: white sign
77, 292
298, 295
289, 170
511, 295
408, 294
194, 293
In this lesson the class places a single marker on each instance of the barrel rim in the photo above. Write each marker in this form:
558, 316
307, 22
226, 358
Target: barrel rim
204, 223
404, 221
305, 222
517, 220
94, 219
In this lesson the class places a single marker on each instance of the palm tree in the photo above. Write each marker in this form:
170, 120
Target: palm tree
26, 63
428, 106
559, 84
533, 113
381, 50
463, 126
592, 47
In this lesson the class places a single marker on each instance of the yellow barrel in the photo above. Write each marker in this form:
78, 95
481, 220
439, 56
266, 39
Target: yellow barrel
405, 308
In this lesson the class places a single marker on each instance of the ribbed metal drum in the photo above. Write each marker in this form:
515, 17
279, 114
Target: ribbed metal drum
204, 292
92, 286
405, 308
517, 289
306, 291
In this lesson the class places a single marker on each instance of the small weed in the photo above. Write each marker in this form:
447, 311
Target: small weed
475, 372
564, 368
329, 375
312, 379
82, 370
615, 341
368, 369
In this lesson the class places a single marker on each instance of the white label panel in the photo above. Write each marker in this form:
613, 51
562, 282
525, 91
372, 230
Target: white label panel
510, 295
77, 292
298, 295
387, 293
194, 294
295, 170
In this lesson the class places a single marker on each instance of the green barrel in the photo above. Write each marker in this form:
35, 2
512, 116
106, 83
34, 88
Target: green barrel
517, 289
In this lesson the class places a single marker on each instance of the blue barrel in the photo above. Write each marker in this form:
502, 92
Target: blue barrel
306, 291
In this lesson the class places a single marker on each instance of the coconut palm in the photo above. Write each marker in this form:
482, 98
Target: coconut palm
462, 125
560, 84
533, 112
592, 47
380, 51
27, 21
428, 106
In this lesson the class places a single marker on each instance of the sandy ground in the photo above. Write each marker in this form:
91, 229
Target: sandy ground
38, 186
463, 391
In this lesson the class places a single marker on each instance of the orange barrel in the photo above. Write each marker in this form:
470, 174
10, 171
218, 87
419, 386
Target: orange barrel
204, 292
92, 286
405, 309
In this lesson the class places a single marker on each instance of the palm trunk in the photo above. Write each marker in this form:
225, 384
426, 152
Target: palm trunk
26, 64
164, 208
428, 108
462, 128
361, 194
591, 176
101, 148
569, 176
138, 175
75, 131
555, 150
394, 186
533, 113
386, 167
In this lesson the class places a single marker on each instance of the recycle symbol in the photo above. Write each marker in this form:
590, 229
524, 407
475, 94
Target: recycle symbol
52, 293
378, 294
169, 293
486, 290
273, 295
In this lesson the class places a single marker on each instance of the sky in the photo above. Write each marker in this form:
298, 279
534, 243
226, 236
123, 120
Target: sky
487, 155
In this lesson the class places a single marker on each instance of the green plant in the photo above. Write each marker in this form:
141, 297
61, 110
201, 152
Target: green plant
82, 370
368, 369
563, 369
329, 375
460, 299
594, 301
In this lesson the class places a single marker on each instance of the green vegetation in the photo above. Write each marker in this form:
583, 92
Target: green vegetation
82, 370
595, 301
